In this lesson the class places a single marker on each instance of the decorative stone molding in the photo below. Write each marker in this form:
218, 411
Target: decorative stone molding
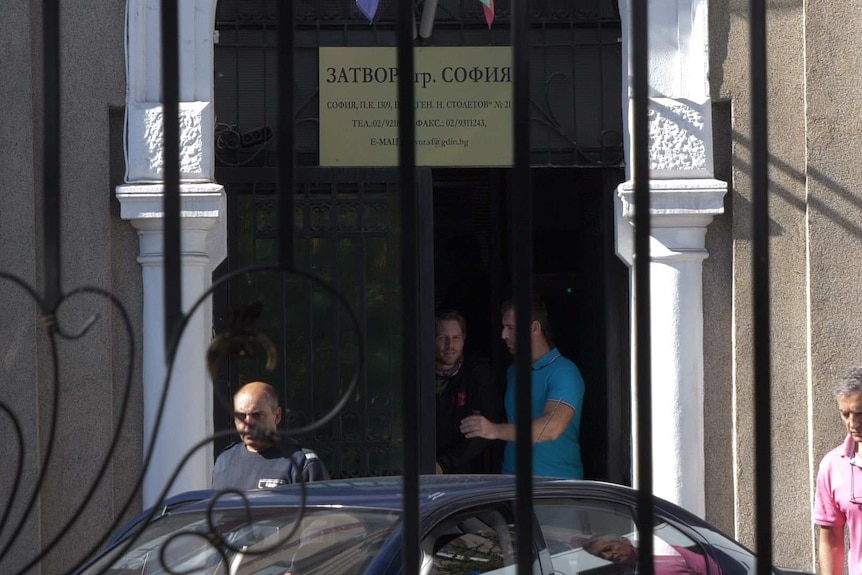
144, 202
144, 90
680, 211
203, 216
680, 110
680, 138
145, 132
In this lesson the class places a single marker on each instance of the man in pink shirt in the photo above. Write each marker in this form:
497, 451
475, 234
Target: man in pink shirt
681, 561
838, 499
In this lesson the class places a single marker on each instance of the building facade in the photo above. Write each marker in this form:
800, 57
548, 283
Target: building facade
109, 382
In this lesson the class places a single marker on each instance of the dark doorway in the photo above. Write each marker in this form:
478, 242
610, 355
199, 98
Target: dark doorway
577, 273
575, 121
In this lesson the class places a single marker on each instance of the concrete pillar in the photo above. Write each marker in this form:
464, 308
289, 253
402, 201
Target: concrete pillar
684, 197
186, 417
679, 215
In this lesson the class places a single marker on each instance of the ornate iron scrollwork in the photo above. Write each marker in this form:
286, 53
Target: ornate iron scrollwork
239, 339
56, 333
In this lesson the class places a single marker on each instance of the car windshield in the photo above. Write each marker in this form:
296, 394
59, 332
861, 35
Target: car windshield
259, 541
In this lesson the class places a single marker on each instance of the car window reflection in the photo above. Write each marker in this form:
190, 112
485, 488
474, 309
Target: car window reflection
268, 542
477, 541
600, 538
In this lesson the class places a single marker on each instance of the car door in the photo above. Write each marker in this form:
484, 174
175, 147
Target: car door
475, 540
600, 537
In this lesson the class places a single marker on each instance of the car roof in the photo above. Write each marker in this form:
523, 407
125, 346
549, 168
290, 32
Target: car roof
387, 492
376, 492
436, 493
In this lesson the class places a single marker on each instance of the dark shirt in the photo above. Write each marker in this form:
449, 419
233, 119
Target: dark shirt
470, 391
239, 468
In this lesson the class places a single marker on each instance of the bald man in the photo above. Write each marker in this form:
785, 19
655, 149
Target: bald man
262, 459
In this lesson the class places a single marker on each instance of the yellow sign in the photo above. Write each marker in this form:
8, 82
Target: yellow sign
463, 106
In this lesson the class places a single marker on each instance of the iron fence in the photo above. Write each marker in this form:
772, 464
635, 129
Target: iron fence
415, 315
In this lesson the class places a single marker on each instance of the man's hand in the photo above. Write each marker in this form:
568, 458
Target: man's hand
439, 469
478, 426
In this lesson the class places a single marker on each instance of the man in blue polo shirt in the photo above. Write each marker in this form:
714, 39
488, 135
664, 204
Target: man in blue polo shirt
557, 403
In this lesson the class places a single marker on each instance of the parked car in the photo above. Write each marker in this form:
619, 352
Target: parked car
467, 527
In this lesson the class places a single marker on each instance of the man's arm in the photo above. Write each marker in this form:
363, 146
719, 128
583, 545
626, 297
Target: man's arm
220, 469
483, 400
831, 550
313, 470
547, 427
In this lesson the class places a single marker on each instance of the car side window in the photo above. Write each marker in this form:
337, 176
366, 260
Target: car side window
476, 541
600, 538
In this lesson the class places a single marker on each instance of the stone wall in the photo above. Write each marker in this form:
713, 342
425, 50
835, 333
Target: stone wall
98, 250
815, 224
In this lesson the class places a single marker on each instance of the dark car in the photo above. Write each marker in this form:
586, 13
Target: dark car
467, 527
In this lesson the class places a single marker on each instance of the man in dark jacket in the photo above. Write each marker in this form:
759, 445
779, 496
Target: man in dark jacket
263, 459
464, 387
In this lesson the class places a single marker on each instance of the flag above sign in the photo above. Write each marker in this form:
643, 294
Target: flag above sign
488, 6
368, 8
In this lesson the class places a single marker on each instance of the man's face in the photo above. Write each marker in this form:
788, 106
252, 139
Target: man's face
850, 407
450, 343
508, 334
255, 418
619, 551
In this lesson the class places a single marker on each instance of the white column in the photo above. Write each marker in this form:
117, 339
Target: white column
187, 414
186, 417
684, 197
679, 214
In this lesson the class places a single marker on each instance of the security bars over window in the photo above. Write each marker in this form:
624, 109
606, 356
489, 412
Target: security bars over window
521, 254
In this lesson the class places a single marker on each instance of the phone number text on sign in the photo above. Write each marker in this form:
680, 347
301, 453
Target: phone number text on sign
434, 123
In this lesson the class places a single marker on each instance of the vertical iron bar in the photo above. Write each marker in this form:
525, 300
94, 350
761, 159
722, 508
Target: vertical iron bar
285, 186
760, 279
497, 263
427, 325
643, 354
286, 173
171, 198
51, 150
522, 281
410, 284
617, 426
